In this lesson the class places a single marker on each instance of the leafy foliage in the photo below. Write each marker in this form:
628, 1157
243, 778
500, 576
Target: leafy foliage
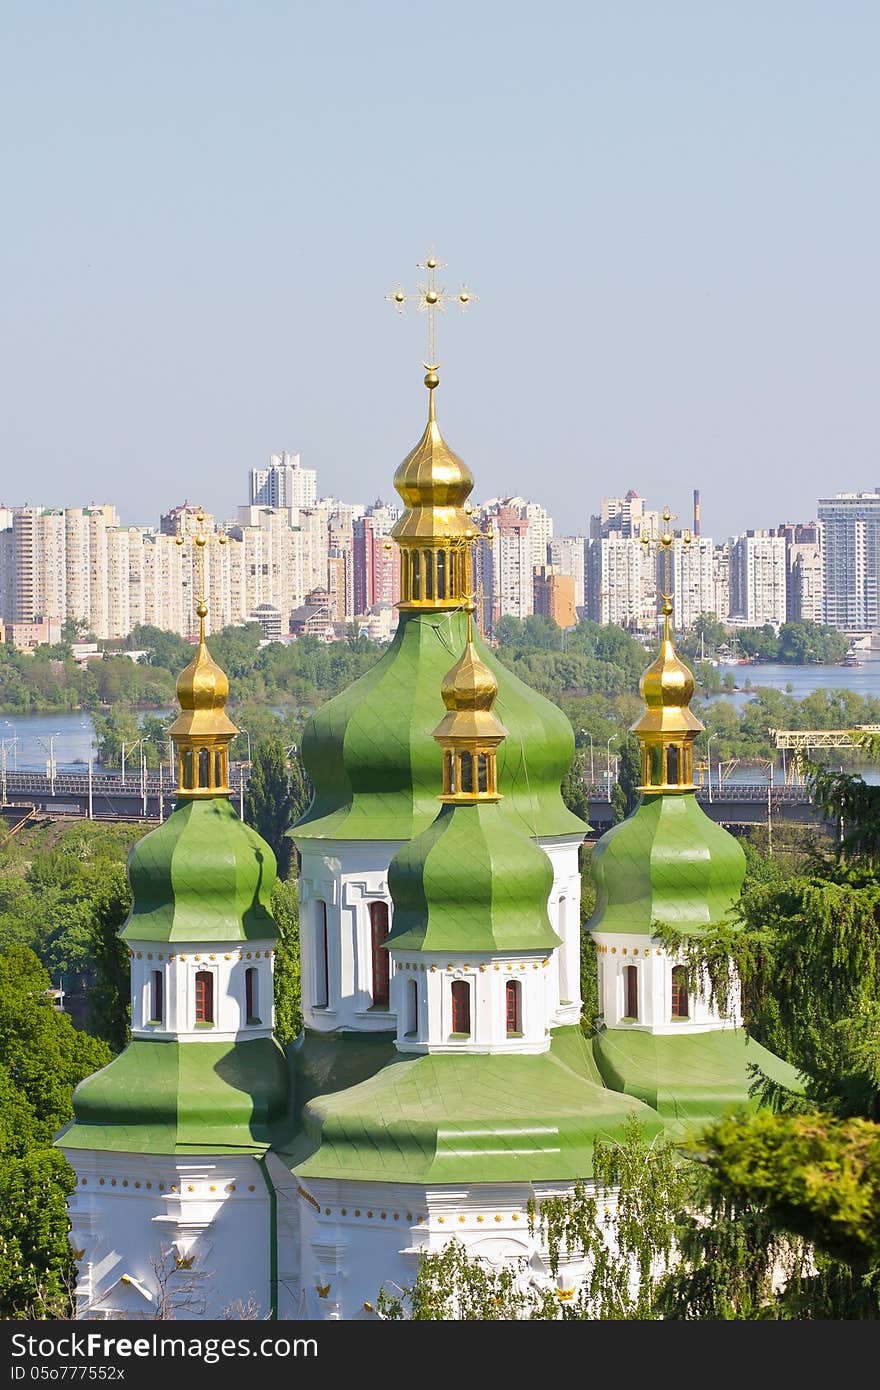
288, 1003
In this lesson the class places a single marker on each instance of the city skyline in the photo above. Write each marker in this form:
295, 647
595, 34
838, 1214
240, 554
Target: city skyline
669, 217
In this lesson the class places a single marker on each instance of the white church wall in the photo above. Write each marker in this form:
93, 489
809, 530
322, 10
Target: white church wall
564, 910
339, 879
194, 1232
359, 1237
486, 978
617, 953
226, 964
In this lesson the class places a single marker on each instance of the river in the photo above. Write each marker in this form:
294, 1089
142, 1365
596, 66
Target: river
27, 738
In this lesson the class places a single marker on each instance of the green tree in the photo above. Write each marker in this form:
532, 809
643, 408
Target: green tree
41, 1052
268, 805
37, 1270
288, 1010
625, 794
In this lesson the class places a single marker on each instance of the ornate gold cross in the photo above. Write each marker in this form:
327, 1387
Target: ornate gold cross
662, 545
200, 539
430, 298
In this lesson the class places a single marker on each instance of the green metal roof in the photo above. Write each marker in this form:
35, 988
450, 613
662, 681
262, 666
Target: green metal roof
473, 881
667, 862
688, 1078
375, 768
184, 1097
203, 875
453, 1118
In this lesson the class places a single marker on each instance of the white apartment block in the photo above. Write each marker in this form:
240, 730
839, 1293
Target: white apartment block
285, 483
510, 568
540, 532
626, 516
567, 557
851, 553
758, 579
806, 583
621, 583
691, 572
721, 582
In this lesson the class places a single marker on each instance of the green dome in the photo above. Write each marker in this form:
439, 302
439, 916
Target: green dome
203, 875
471, 882
172, 1097
375, 768
667, 862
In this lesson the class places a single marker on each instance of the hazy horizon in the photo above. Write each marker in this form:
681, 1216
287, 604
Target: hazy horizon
669, 215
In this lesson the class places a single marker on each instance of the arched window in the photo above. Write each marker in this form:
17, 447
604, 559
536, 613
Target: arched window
378, 933
322, 970
680, 1002
204, 763
441, 573
461, 1008
251, 995
655, 774
204, 996
412, 1009
156, 1001
467, 772
512, 1000
429, 574
482, 772
189, 769
416, 575
673, 767
631, 991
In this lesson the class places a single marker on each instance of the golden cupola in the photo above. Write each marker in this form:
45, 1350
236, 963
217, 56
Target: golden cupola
470, 731
202, 732
435, 530
667, 728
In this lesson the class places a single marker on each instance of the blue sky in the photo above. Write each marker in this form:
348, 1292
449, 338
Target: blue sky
669, 212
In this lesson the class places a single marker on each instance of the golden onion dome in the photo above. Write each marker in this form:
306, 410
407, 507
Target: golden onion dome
434, 484
469, 690
202, 692
667, 688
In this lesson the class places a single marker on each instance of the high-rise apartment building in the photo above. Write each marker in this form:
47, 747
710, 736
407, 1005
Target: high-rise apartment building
758, 579
691, 570
567, 557
851, 554
285, 483
721, 582
621, 583
505, 566
376, 559
554, 596
627, 516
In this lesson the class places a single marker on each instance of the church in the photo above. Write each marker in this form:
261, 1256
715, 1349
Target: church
441, 1079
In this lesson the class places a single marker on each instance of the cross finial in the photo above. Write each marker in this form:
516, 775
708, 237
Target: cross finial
199, 538
430, 297
662, 545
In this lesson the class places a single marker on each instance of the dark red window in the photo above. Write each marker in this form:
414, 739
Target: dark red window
204, 997
631, 990
413, 1007
322, 968
378, 933
251, 1000
680, 1002
461, 1007
511, 994
156, 997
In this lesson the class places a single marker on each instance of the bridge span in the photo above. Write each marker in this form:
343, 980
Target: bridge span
151, 797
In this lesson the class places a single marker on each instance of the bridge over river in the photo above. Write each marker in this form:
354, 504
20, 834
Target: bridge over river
149, 796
